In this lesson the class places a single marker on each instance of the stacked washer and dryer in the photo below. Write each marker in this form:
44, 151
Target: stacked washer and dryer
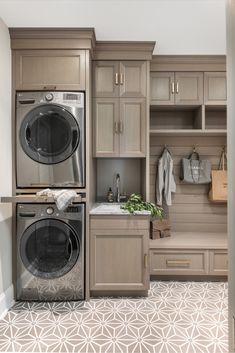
50, 153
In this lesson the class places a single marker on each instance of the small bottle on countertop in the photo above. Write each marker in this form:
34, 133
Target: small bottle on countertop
110, 196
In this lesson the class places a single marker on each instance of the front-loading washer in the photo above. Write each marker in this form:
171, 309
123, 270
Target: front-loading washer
50, 252
50, 139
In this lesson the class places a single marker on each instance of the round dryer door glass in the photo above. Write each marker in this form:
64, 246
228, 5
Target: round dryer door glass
49, 134
49, 248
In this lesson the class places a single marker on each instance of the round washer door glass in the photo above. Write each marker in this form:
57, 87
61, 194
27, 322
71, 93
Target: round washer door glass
49, 248
49, 134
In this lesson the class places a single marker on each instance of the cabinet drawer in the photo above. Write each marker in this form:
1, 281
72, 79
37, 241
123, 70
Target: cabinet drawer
218, 262
178, 262
119, 222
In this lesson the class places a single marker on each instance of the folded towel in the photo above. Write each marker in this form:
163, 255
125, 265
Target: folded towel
62, 197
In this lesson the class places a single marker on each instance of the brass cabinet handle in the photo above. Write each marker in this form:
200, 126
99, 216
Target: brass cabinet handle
145, 260
121, 79
121, 128
116, 78
179, 263
116, 128
177, 87
172, 87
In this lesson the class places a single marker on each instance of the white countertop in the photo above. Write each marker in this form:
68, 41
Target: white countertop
113, 209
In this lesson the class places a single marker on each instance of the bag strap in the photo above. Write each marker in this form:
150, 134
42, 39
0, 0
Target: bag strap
194, 153
222, 160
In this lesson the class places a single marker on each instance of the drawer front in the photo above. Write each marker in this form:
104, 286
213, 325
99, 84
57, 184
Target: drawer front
119, 222
218, 263
178, 262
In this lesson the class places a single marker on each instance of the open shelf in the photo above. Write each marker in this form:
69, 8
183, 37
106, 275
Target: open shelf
176, 118
184, 132
215, 117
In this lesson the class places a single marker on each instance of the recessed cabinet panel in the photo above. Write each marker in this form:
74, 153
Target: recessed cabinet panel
60, 69
106, 124
188, 88
215, 88
132, 133
162, 88
119, 258
218, 262
106, 79
132, 79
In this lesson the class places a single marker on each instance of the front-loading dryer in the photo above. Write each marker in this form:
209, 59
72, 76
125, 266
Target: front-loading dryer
50, 252
50, 139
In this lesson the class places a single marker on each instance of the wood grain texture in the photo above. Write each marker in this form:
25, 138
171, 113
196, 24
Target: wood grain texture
191, 210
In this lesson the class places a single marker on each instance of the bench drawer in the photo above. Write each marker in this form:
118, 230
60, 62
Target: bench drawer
178, 262
218, 263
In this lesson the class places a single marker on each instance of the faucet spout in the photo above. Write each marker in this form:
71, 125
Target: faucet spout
118, 186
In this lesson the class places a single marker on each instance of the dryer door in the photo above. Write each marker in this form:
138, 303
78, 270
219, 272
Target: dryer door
49, 134
49, 248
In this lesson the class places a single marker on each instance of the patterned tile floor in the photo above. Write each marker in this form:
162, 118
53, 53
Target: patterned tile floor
177, 317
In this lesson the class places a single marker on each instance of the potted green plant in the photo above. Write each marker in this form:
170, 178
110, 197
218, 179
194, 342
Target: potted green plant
135, 203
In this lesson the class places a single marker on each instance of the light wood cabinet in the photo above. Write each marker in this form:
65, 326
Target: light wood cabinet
178, 262
49, 69
215, 88
218, 264
120, 127
120, 79
176, 88
119, 254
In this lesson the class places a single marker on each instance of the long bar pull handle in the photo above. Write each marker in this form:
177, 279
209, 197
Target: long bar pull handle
121, 79
177, 87
121, 128
116, 128
178, 263
116, 78
145, 260
172, 87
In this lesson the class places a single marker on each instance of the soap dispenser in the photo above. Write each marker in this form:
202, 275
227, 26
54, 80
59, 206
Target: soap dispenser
110, 196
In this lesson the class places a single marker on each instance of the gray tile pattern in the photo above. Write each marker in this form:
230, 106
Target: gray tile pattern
177, 317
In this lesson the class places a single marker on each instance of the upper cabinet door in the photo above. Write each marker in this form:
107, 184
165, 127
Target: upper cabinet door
215, 88
133, 79
106, 127
106, 79
188, 88
162, 88
50, 69
132, 127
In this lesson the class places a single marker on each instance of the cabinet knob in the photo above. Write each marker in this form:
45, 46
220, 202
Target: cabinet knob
172, 87
121, 128
116, 128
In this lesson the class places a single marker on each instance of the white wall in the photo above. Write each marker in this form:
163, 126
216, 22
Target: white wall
231, 169
6, 290
177, 26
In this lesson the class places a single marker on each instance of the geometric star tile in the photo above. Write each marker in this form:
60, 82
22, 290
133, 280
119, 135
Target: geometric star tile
176, 317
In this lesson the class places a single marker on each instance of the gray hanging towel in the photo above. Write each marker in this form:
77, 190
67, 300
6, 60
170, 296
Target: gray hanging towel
165, 181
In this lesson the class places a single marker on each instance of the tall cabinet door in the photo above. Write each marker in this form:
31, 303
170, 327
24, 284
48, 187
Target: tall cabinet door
162, 88
189, 88
133, 78
106, 79
106, 118
132, 127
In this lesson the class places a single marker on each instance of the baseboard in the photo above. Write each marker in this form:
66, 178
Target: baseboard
6, 301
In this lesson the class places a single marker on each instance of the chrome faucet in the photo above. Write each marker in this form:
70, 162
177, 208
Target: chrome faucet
118, 186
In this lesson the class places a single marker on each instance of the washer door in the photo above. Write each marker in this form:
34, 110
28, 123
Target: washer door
49, 248
49, 134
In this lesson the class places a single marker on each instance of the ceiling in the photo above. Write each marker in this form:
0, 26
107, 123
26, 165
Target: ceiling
177, 26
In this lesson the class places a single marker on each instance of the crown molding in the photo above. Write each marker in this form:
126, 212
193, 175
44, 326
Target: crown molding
124, 50
188, 63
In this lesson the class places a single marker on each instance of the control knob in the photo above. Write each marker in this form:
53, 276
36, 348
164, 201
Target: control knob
49, 97
50, 211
